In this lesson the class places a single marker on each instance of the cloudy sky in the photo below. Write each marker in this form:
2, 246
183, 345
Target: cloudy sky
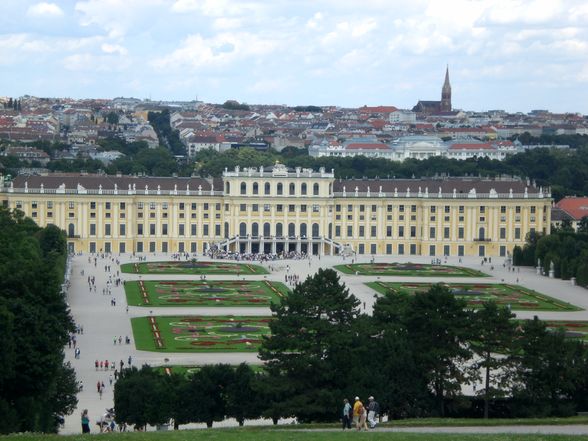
515, 55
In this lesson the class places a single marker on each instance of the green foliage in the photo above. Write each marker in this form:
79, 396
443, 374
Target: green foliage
34, 383
167, 137
234, 105
308, 351
313, 109
492, 343
112, 118
211, 394
142, 397
567, 250
552, 372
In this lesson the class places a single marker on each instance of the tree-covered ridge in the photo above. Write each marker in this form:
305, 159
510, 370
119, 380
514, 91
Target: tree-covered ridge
35, 385
565, 171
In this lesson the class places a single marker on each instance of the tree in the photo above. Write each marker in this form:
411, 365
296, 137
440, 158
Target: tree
399, 384
307, 353
551, 372
241, 400
112, 118
142, 397
207, 393
438, 330
583, 225
492, 343
34, 383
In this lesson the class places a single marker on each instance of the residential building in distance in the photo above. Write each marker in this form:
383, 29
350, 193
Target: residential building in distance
279, 209
572, 209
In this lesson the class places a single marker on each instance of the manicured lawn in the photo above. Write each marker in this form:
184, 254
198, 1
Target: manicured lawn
199, 333
516, 297
188, 370
193, 267
291, 434
408, 269
574, 329
204, 292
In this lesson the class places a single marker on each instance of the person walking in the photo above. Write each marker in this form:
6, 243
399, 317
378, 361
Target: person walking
357, 408
363, 419
373, 411
347, 414
85, 422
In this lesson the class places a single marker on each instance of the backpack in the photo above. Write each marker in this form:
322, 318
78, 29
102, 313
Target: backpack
350, 412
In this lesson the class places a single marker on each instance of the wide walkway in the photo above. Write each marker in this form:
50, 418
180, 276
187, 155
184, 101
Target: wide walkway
102, 322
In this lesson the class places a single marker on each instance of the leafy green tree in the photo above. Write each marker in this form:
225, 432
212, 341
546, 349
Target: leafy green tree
142, 397
34, 383
399, 383
492, 342
207, 392
583, 225
551, 373
112, 118
438, 330
241, 400
306, 355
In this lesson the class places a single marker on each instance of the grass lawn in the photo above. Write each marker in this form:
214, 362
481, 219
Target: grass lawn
193, 267
408, 269
204, 292
199, 333
517, 297
258, 434
188, 370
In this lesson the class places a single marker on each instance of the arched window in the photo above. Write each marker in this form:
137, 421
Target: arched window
267, 188
303, 189
292, 190
280, 189
255, 188
242, 229
227, 187
71, 230
291, 230
279, 230
255, 229
303, 230
243, 188
315, 230
315, 189
266, 230
482, 233
226, 230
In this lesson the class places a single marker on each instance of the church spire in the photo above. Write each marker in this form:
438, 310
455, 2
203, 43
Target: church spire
446, 93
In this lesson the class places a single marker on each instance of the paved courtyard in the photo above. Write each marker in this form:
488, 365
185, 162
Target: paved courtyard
102, 321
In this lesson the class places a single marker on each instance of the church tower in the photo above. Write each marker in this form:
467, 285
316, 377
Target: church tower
446, 94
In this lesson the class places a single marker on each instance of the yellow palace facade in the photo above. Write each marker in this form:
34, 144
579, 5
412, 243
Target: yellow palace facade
278, 209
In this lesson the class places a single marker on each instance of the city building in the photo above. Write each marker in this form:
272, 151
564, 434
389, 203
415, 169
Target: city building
279, 209
443, 106
572, 209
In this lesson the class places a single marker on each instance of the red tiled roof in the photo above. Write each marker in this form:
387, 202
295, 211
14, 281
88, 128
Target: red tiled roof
367, 146
574, 206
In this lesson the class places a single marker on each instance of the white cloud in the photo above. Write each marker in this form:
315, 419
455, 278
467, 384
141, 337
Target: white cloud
89, 62
217, 8
113, 49
197, 52
44, 9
